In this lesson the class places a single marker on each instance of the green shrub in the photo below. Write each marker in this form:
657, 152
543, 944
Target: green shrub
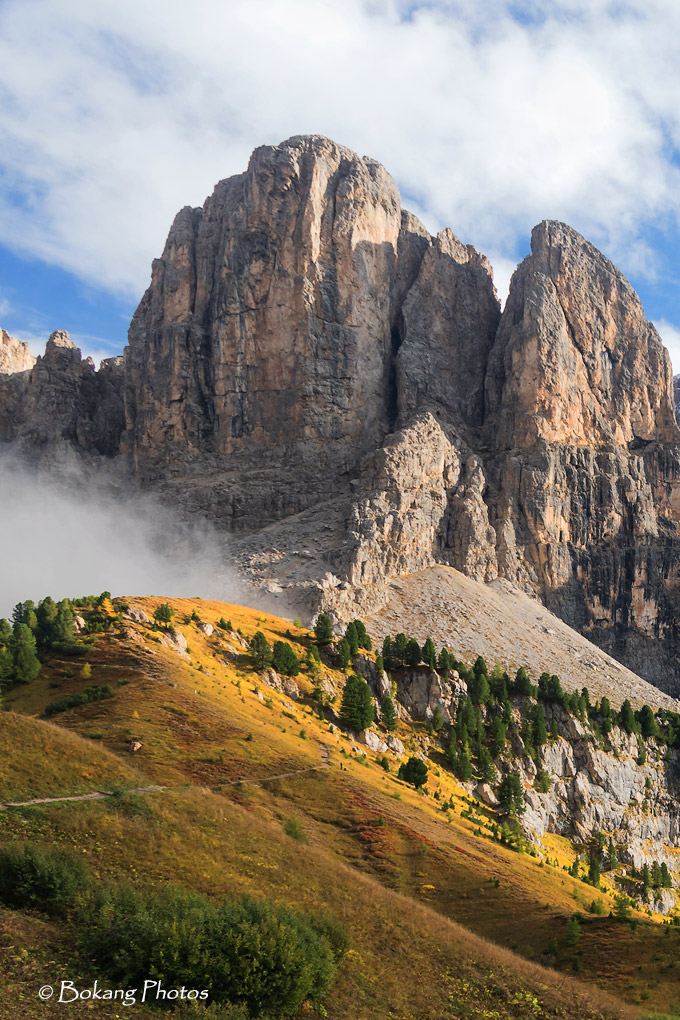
93, 693
292, 828
253, 952
30, 877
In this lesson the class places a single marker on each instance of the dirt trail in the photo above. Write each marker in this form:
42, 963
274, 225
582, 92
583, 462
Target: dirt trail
103, 794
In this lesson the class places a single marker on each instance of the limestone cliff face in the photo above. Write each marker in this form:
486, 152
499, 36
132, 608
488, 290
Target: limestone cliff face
575, 361
585, 462
15, 355
60, 401
265, 336
304, 340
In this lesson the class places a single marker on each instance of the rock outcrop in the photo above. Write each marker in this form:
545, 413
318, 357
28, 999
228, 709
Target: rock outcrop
61, 403
310, 361
15, 356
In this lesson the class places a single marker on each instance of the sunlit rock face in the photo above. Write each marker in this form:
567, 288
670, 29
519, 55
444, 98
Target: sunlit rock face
309, 360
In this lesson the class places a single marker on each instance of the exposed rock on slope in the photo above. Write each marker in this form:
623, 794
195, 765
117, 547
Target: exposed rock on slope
304, 340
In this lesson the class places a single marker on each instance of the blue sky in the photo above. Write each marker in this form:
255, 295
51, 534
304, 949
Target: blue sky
490, 117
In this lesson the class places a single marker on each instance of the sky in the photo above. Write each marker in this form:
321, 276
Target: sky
490, 116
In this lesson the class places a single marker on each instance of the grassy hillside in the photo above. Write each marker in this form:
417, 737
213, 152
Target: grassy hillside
443, 921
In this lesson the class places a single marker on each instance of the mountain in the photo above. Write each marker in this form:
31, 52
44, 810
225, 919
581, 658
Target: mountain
338, 389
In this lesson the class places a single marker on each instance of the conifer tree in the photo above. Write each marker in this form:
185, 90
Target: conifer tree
554, 734
344, 653
363, 636
24, 656
648, 725
260, 650
356, 710
666, 882
388, 712
522, 684
388, 652
437, 719
443, 661
511, 795
611, 857
352, 638
487, 769
284, 659
540, 732
323, 629
412, 653
430, 654
400, 643
627, 717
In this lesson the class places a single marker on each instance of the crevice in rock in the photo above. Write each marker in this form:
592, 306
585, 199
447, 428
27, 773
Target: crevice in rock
392, 386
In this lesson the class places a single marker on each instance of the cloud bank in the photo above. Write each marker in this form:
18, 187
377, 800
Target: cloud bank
491, 116
67, 537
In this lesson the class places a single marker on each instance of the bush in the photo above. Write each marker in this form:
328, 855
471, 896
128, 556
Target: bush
90, 694
292, 828
413, 771
30, 877
253, 952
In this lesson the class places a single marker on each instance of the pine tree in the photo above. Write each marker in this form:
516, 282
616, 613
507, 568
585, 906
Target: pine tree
437, 719
572, 932
412, 653
554, 734
24, 656
260, 650
63, 629
605, 708
594, 872
430, 654
648, 725
479, 668
443, 661
540, 732
487, 769
356, 710
413, 771
665, 876
388, 652
627, 717
47, 618
388, 712
363, 636
164, 614
611, 857
498, 737
284, 659
464, 763
646, 877
5, 631
323, 629
379, 664
656, 875
511, 795
352, 638
344, 653
400, 643
522, 684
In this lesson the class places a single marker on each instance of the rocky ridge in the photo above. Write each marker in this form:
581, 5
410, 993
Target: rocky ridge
305, 337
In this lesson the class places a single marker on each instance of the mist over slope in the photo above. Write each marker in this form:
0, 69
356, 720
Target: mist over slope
71, 534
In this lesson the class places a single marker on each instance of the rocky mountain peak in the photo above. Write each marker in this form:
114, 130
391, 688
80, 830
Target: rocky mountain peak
15, 356
575, 360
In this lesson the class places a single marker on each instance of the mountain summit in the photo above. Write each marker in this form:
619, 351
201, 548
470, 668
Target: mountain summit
308, 359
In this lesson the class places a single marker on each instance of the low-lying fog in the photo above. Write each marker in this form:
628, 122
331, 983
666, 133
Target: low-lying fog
67, 536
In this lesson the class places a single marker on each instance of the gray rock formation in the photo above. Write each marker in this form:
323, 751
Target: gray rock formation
310, 369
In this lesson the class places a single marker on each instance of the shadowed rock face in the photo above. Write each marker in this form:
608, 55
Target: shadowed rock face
59, 403
309, 359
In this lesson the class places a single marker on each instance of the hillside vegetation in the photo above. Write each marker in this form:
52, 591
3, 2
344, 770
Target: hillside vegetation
264, 796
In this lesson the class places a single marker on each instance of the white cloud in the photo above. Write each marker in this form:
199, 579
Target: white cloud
670, 335
113, 115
